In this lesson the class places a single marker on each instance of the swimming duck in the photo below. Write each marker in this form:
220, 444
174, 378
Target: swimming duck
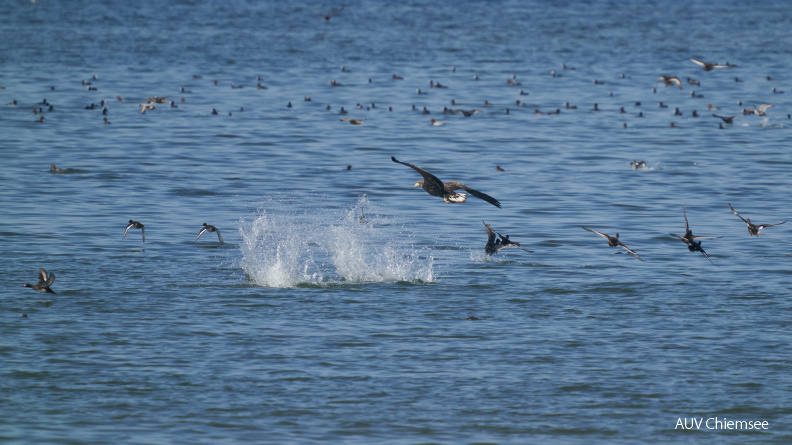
333, 83
754, 229
44, 282
352, 121
613, 241
208, 228
436, 123
54, 169
690, 239
446, 190
395, 77
135, 225
493, 245
638, 164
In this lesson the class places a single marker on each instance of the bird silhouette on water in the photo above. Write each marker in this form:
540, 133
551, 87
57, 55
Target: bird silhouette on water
44, 282
502, 242
690, 239
754, 229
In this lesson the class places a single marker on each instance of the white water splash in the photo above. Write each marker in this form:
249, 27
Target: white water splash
284, 248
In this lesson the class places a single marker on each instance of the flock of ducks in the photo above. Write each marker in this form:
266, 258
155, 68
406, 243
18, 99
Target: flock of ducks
495, 241
448, 191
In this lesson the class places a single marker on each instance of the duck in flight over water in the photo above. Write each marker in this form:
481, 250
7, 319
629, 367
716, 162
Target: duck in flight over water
613, 241
493, 246
754, 229
209, 228
670, 80
135, 225
690, 239
446, 190
44, 282
710, 66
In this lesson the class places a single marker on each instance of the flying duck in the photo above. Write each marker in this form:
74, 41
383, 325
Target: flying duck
670, 80
710, 66
44, 282
208, 228
135, 225
493, 245
753, 229
761, 110
690, 239
728, 119
613, 241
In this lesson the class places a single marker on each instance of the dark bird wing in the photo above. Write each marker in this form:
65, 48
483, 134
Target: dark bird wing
42, 276
490, 233
598, 233
738, 215
200, 233
143, 231
219, 237
629, 250
771, 225
727, 119
454, 185
49, 278
684, 212
432, 184
705, 254
127, 230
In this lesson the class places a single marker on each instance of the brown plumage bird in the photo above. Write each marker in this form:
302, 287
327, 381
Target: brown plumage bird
690, 239
493, 245
754, 229
44, 282
613, 241
446, 190
210, 228
670, 80
135, 225
710, 66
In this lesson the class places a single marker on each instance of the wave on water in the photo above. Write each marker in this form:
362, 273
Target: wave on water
284, 247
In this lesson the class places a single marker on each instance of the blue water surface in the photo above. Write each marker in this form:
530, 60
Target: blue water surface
347, 306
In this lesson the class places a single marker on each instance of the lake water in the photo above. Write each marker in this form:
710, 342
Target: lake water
337, 309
